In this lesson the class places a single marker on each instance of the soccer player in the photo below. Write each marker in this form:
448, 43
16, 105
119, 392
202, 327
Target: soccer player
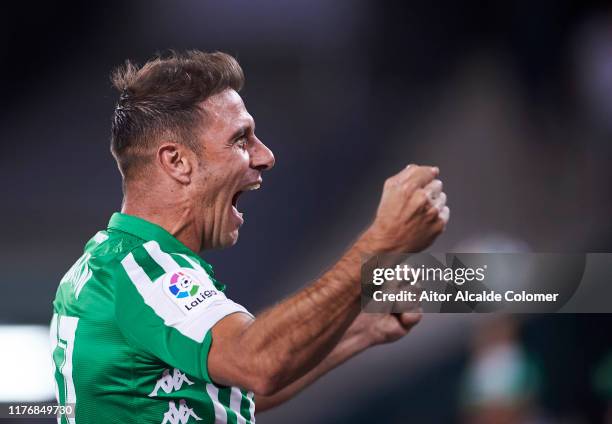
142, 330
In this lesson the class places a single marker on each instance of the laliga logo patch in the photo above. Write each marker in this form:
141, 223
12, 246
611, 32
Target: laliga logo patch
182, 285
186, 288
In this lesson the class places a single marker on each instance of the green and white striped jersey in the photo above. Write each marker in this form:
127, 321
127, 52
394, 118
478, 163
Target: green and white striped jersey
131, 332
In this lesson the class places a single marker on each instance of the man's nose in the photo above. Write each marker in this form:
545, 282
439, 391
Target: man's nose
262, 158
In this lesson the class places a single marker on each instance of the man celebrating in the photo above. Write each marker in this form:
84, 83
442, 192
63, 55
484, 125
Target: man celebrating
142, 331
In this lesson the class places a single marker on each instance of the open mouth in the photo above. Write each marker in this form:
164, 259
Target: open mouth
235, 199
250, 187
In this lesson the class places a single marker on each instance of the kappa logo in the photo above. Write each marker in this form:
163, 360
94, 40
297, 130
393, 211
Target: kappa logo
180, 415
169, 382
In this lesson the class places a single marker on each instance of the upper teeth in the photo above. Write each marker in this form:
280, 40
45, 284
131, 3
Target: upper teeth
253, 187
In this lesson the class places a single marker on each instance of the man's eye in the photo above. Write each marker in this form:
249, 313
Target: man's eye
242, 142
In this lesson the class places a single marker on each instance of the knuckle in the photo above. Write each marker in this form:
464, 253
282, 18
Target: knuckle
410, 186
432, 213
439, 227
420, 197
412, 169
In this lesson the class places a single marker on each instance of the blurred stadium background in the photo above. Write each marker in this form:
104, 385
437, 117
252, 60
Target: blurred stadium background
513, 100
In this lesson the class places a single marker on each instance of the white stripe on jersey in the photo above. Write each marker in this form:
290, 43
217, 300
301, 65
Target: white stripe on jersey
250, 396
62, 336
195, 324
220, 412
100, 237
151, 293
235, 399
193, 263
162, 258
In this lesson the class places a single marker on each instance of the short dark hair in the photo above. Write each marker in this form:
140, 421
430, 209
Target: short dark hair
162, 98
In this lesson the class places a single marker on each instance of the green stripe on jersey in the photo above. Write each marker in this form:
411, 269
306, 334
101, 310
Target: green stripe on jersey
245, 406
224, 398
149, 266
181, 261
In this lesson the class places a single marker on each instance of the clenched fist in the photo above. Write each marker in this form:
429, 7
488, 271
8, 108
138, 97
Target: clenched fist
412, 212
377, 329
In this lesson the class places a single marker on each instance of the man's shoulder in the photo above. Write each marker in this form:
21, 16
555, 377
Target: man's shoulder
111, 257
151, 260
98, 263
109, 244
109, 250
117, 247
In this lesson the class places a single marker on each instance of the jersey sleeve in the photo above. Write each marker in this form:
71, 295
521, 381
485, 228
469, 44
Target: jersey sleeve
166, 304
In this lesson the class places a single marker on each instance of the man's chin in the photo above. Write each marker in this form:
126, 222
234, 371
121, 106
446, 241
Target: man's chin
229, 239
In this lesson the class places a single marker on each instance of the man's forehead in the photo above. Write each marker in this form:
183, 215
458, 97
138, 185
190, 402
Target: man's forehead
226, 108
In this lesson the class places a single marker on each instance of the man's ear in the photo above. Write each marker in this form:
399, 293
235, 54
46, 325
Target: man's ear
175, 160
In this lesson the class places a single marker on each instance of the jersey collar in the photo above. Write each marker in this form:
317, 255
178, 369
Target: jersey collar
146, 230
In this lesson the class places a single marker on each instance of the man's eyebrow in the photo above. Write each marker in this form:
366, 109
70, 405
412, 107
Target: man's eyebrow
241, 131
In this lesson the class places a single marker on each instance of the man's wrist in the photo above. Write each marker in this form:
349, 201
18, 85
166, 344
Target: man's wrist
370, 244
351, 345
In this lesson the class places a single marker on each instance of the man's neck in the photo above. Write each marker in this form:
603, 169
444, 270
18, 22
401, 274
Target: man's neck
175, 219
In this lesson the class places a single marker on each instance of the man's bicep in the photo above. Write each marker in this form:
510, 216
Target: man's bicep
227, 361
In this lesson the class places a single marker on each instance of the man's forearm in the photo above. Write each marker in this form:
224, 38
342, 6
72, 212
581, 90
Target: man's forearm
293, 337
349, 346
